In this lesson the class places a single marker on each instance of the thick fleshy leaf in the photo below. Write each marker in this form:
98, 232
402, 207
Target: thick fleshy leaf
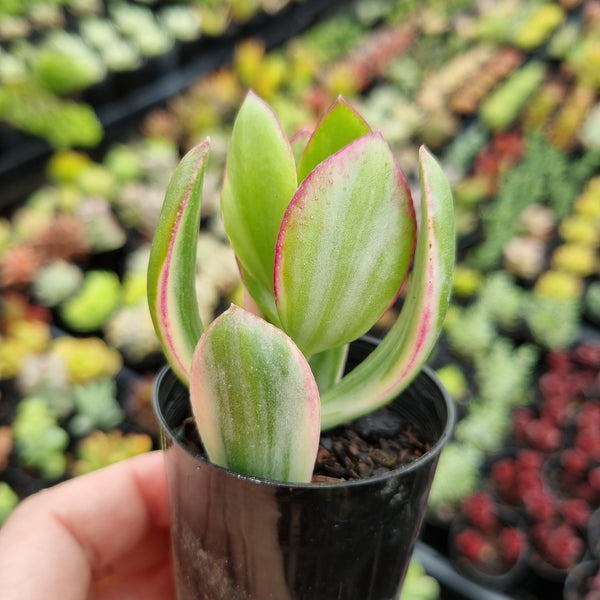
254, 399
340, 125
345, 246
406, 347
172, 265
260, 180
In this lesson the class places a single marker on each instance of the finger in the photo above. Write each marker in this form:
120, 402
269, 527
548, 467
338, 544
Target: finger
155, 583
60, 540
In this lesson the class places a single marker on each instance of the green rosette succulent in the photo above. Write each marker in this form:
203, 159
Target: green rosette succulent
325, 234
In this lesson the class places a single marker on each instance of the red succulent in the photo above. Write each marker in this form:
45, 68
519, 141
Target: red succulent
544, 435
472, 544
480, 510
513, 542
575, 511
558, 544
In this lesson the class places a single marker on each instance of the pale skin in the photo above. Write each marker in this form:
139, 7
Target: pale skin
102, 536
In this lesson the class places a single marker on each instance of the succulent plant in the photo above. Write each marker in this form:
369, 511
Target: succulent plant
124, 162
554, 322
458, 475
589, 134
491, 73
485, 427
538, 221
65, 166
467, 281
334, 38
39, 441
505, 103
13, 353
60, 121
102, 228
418, 585
64, 63
463, 149
14, 27
99, 449
130, 330
401, 118
56, 281
94, 302
18, 266
8, 501
12, 68
469, 330
64, 237
96, 407
138, 205
541, 107
138, 24
505, 372
46, 373
86, 7
453, 376
486, 540
87, 359
538, 26
579, 259
33, 333
181, 22
579, 229
503, 299
133, 288
558, 545
338, 225
214, 17
564, 129
550, 176
259, 70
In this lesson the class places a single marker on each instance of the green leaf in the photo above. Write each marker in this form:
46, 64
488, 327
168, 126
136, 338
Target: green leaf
172, 265
260, 181
255, 399
340, 125
406, 347
346, 241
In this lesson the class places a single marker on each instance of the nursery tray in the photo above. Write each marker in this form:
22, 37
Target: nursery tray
21, 168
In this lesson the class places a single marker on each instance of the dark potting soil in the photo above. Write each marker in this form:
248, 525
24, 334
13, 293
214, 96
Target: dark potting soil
372, 445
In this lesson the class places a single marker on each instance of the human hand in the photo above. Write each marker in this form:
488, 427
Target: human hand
102, 536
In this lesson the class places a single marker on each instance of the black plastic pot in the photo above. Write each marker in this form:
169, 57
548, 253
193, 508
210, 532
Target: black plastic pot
593, 534
582, 581
240, 538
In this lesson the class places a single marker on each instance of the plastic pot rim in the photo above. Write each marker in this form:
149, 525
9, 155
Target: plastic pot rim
431, 455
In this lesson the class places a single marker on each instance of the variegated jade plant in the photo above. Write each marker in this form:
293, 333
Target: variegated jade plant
325, 233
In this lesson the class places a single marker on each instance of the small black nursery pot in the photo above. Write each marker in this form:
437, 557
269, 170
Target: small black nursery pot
583, 581
240, 538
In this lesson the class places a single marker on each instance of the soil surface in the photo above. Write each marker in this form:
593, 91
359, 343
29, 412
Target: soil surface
372, 445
